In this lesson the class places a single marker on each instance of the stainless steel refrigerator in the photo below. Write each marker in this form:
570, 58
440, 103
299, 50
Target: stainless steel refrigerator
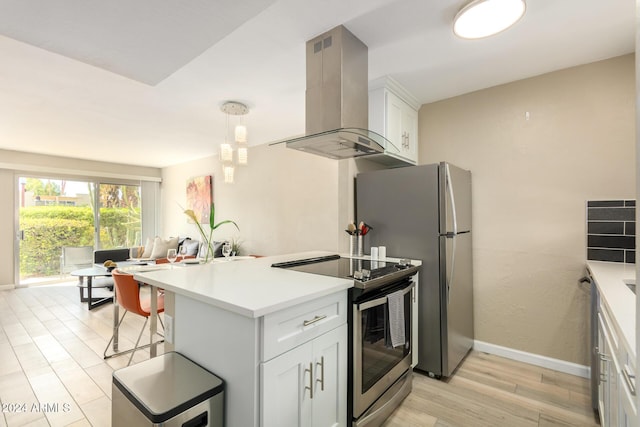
424, 212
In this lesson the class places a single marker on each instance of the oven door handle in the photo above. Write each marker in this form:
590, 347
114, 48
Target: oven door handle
382, 300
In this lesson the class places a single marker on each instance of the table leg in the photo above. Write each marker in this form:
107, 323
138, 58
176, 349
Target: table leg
80, 286
92, 302
89, 286
116, 319
153, 317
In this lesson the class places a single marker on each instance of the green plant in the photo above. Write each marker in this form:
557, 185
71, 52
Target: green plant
48, 228
120, 227
235, 246
207, 240
43, 239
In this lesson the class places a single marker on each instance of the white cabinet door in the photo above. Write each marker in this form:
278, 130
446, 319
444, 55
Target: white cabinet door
397, 120
394, 108
285, 397
614, 393
409, 134
307, 386
330, 372
610, 376
402, 126
628, 416
604, 354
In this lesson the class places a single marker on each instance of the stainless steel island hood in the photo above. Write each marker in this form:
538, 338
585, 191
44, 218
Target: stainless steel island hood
337, 110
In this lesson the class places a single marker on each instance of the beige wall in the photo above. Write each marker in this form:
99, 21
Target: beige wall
283, 201
48, 165
13, 163
531, 178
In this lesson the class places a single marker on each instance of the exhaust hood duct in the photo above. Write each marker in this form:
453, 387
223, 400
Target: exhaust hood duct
337, 107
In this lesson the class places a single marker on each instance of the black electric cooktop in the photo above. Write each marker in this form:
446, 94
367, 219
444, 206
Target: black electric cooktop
365, 272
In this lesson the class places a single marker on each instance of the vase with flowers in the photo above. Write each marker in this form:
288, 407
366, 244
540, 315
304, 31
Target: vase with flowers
207, 240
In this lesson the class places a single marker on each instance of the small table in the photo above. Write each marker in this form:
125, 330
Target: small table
90, 273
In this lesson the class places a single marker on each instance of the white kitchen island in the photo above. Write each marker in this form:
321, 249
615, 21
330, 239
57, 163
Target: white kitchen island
273, 335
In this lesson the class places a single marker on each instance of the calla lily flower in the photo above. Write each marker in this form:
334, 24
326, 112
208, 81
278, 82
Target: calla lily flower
212, 226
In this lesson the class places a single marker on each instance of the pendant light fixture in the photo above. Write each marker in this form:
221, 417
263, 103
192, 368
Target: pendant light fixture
233, 108
483, 18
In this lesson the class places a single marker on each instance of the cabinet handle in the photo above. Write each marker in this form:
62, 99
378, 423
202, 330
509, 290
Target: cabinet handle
321, 380
603, 375
314, 320
310, 386
405, 140
629, 379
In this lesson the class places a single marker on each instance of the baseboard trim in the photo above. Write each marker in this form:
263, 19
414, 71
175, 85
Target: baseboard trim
6, 287
533, 359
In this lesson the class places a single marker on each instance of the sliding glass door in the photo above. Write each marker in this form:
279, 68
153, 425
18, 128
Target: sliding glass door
119, 216
59, 224
53, 214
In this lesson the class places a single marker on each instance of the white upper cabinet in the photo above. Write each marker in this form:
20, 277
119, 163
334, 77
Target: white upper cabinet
393, 113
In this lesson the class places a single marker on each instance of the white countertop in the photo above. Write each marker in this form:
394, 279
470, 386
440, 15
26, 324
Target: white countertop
250, 287
618, 298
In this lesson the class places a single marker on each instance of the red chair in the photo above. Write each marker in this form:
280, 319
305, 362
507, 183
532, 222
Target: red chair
127, 293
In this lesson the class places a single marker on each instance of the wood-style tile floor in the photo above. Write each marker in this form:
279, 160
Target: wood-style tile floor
52, 373
491, 391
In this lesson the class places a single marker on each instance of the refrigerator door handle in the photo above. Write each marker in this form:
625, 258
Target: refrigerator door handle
452, 235
451, 266
449, 184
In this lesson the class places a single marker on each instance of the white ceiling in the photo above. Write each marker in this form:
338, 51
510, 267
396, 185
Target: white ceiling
142, 82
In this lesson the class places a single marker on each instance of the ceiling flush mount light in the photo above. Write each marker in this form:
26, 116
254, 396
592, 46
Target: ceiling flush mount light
483, 18
233, 108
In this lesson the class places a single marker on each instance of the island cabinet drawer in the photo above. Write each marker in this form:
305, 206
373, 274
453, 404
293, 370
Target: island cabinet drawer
288, 328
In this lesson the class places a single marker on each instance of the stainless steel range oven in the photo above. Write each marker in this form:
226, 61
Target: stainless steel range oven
379, 332
377, 364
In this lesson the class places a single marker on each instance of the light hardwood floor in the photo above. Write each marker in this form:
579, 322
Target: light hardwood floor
51, 354
489, 390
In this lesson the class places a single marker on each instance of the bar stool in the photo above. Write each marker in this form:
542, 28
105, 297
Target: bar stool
128, 295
